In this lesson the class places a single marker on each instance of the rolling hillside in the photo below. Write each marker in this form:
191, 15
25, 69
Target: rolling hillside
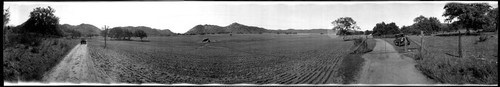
85, 29
300, 31
232, 28
150, 31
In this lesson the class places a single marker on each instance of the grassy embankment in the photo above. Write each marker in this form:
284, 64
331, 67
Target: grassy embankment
442, 64
352, 63
29, 63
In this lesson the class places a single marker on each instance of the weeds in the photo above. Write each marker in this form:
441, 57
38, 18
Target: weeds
29, 63
441, 64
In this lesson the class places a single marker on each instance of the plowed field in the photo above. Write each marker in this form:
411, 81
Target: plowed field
257, 59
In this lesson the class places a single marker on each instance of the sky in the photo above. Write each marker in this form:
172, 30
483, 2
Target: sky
180, 16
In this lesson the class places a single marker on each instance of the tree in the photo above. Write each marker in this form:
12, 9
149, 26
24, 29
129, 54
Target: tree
344, 24
42, 22
492, 22
367, 32
470, 15
428, 25
116, 33
129, 34
384, 29
409, 30
6, 16
103, 33
141, 34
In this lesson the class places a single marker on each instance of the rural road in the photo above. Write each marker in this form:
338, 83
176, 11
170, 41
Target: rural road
384, 65
76, 67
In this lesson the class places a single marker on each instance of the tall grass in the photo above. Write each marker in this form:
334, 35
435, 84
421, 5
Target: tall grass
441, 63
28, 63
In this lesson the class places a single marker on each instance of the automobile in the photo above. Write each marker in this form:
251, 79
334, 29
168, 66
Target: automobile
401, 40
83, 41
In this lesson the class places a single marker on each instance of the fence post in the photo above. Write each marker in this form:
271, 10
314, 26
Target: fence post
460, 45
421, 44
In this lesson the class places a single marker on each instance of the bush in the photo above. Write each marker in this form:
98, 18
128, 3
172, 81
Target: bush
29, 63
459, 70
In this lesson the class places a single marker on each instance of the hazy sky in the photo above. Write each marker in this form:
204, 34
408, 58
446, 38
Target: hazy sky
181, 16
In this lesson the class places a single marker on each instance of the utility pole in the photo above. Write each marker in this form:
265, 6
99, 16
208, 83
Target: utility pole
421, 44
105, 35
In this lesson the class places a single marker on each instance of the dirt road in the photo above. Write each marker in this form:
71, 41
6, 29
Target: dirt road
77, 67
384, 65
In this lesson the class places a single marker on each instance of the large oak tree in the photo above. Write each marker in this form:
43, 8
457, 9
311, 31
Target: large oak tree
468, 15
43, 22
344, 25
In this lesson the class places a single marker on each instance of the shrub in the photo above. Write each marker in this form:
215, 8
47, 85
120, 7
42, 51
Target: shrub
29, 63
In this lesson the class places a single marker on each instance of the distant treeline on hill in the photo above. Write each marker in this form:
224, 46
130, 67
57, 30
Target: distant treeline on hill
232, 28
236, 28
89, 30
149, 31
300, 31
79, 30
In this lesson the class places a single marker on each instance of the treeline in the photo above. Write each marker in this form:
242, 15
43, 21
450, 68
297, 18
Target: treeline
473, 16
123, 34
34, 47
82, 30
41, 24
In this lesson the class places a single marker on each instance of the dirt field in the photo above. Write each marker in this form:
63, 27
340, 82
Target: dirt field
241, 58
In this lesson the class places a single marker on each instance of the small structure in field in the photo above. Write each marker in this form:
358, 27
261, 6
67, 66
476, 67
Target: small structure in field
206, 40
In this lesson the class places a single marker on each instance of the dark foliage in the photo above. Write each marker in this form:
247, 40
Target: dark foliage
385, 29
42, 23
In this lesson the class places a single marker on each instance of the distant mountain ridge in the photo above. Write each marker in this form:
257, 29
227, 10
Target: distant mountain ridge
232, 28
150, 31
301, 30
244, 29
83, 28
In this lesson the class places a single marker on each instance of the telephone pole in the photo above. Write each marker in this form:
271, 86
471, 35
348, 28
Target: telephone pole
105, 35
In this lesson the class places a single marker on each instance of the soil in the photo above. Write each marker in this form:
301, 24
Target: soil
77, 67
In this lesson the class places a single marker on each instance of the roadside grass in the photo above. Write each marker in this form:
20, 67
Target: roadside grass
29, 63
440, 61
352, 63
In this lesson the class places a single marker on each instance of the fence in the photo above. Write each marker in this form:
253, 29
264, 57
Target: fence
467, 46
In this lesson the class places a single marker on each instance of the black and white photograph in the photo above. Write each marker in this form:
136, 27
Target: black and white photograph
250, 43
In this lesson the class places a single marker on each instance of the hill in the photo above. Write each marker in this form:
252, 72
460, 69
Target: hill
85, 29
239, 28
150, 31
198, 29
300, 31
232, 28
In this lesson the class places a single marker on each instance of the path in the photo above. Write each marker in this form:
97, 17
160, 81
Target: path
384, 65
76, 67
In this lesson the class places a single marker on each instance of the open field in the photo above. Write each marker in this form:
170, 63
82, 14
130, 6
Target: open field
440, 61
241, 58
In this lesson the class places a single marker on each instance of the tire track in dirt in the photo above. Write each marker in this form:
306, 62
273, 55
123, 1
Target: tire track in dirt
76, 67
384, 65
